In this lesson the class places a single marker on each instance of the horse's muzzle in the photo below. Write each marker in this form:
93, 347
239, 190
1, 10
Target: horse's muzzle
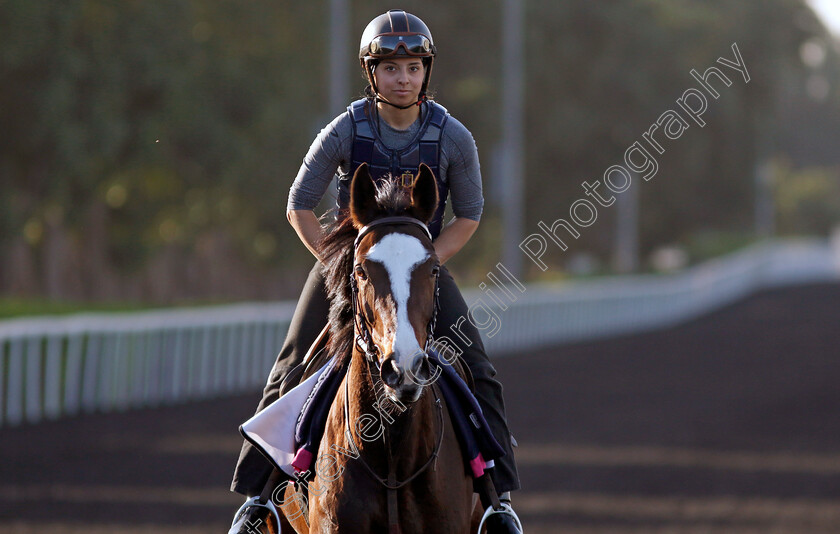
406, 382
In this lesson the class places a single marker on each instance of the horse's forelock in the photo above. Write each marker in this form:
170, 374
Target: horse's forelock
392, 197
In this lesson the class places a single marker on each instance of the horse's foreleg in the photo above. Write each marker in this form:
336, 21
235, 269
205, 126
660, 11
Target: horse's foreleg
285, 527
292, 512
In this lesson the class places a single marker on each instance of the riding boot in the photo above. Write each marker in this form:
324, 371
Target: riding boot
454, 326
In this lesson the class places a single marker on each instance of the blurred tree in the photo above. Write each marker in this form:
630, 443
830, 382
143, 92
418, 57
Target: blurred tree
147, 147
602, 72
142, 129
808, 200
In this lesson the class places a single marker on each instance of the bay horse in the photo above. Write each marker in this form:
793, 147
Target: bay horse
389, 460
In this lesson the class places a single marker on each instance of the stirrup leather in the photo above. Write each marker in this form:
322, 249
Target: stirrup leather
505, 509
254, 502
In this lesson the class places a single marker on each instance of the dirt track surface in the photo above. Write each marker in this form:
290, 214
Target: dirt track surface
729, 424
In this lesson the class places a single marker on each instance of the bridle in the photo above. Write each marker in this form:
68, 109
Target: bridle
365, 342
363, 338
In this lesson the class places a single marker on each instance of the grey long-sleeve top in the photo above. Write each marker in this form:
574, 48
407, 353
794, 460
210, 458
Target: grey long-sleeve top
331, 152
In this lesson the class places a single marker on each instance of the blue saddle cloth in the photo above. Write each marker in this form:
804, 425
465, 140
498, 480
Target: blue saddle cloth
477, 441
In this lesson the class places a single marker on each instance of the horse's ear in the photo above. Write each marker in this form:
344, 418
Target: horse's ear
363, 206
424, 195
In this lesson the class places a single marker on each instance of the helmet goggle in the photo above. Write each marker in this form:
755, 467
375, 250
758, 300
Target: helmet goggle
412, 45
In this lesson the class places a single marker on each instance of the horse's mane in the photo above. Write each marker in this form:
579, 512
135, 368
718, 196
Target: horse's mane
336, 249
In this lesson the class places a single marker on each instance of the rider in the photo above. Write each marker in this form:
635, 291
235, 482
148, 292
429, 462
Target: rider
393, 129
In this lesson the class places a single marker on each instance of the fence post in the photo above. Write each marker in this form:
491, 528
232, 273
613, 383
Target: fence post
52, 379
14, 400
34, 403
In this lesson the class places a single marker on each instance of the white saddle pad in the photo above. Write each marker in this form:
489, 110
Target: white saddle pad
273, 429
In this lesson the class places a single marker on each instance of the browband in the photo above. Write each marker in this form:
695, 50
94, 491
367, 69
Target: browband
390, 220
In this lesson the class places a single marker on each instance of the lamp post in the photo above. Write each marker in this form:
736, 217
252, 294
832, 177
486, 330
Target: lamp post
339, 15
510, 170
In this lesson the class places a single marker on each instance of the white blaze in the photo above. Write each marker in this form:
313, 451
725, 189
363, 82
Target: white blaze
399, 254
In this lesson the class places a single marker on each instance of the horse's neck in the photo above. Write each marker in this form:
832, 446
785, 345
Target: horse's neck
408, 430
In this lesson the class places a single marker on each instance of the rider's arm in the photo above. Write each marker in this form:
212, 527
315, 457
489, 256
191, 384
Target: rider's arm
460, 159
330, 148
453, 237
308, 228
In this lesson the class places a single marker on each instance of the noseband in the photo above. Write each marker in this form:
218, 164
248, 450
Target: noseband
363, 338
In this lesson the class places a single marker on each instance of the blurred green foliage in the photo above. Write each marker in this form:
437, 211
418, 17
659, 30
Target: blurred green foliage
28, 307
146, 148
807, 199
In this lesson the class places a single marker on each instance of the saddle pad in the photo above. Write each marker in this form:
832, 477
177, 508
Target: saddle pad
272, 430
313, 416
479, 445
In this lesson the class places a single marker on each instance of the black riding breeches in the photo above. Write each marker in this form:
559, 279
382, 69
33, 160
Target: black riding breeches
252, 470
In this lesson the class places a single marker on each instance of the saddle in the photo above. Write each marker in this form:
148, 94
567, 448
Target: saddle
316, 357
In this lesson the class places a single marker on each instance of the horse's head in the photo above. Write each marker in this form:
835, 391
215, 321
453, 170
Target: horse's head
395, 273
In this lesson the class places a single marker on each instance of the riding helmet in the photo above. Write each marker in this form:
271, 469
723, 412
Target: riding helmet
396, 34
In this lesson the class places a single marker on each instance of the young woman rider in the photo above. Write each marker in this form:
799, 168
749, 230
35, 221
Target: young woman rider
393, 129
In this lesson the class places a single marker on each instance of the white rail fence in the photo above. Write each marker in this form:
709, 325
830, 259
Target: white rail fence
546, 314
50, 367
57, 366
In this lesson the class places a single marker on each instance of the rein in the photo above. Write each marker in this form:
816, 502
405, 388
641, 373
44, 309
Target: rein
364, 341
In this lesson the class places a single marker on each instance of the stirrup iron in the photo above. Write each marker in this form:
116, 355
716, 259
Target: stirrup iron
255, 502
505, 509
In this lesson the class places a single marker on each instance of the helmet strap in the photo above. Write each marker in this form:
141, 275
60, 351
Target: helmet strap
420, 100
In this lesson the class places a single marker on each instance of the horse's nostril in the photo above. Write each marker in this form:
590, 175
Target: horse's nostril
391, 375
423, 371
419, 369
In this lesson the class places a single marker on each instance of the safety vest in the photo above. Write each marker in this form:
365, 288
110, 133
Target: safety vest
401, 163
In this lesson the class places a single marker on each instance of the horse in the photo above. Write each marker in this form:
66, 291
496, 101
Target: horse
389, 460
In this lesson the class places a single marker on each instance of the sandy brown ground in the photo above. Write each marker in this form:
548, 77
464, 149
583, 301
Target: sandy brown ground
729, 424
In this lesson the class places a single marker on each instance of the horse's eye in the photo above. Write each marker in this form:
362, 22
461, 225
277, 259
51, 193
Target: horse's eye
360, 272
